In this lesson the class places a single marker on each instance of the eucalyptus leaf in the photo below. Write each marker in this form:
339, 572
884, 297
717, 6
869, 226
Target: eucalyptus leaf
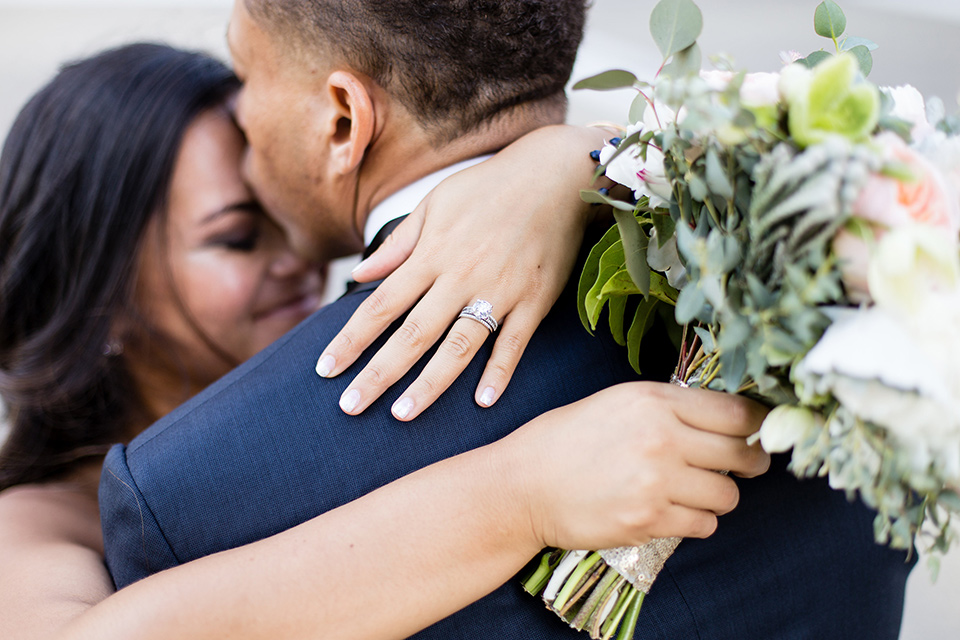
864, 59
665, 227
814, 59
609, 80
850, 42
635, 243
675, 25
637, 108
685, 63
717, 178
591, 270
709, 345
595, 197
690, 304
829, 21
733, 367
642, 320
625, 144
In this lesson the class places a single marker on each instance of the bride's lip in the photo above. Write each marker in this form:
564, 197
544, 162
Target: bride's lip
299, 306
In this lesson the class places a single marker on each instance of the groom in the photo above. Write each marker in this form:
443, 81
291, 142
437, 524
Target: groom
345, 103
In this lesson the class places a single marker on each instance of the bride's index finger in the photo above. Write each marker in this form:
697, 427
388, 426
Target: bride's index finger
395, 295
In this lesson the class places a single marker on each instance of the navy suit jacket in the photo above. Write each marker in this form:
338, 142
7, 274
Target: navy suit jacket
267, 448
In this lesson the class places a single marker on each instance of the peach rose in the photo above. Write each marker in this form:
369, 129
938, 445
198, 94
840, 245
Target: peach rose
926, 199
888, 203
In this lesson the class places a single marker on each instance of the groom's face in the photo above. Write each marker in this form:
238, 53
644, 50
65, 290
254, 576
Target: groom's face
279, 109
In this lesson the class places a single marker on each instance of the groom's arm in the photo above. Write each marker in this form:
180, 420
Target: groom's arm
133, 532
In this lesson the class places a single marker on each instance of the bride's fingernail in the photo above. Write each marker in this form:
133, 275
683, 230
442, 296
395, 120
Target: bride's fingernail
325, 366
487, 397
350, 400
402, 408
358, 267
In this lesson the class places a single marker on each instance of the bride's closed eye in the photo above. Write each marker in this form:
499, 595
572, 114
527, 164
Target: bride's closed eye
236, 228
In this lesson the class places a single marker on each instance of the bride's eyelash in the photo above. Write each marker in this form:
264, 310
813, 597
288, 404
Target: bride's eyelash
242, 242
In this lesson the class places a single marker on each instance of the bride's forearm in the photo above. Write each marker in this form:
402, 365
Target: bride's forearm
386, 565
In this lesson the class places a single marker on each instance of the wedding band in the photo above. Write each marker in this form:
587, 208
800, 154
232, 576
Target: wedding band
482, 312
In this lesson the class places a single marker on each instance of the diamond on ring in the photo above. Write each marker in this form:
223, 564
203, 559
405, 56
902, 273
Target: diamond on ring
482, 312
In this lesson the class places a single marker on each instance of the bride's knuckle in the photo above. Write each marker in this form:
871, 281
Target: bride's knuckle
411, 334
457, 345
374, 375
377, 306
511, 345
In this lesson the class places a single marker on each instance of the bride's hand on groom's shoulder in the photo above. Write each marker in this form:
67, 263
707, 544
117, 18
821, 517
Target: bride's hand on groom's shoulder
506, 231
634, 462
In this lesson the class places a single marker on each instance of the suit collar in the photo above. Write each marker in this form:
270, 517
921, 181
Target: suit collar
404, 201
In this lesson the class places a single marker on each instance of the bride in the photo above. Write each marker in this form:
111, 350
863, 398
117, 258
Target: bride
136, 268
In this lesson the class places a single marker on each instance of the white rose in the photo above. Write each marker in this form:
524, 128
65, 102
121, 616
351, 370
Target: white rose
757, 90
911, 263
898, 373
787, 426
908, 104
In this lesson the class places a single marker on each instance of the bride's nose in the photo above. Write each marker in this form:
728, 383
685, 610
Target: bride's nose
287, 264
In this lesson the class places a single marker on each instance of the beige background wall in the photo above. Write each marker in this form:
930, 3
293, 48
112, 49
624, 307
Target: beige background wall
919, 43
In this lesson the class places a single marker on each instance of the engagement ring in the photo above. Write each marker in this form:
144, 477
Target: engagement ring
482, 312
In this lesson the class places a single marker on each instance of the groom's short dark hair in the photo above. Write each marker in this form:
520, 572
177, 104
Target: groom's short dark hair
453, 63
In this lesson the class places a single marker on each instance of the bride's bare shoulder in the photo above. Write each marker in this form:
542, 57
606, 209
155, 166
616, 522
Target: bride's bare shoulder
64, 512
51, 557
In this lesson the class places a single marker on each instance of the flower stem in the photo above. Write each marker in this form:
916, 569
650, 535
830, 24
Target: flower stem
591, 608
536, 582
626, 599
630, 620
574, 581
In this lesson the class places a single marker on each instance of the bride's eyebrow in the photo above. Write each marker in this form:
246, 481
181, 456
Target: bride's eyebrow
249, 206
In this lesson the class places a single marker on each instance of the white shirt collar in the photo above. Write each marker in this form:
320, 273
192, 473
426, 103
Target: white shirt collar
404, 201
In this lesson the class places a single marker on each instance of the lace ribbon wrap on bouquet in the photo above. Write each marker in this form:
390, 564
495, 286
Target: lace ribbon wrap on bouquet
641, 565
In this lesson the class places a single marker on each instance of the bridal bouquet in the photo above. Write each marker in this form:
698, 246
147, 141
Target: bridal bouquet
802, 228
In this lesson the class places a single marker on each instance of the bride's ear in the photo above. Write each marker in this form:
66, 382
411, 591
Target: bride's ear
352, 121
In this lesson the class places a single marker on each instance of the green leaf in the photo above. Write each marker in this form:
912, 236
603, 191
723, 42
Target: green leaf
675, 25
665, 227
814, 59
684, 63
717, 178
661, 289
864, 58
627, 143
689, 304
850, 42
637, 108
635, 243
595, 197
608, 80
709, 346
618, 309
829, 21
642, 320
949, 500
591, 271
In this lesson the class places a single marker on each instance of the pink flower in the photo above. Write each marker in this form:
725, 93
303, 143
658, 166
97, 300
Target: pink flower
926, 199
923, 197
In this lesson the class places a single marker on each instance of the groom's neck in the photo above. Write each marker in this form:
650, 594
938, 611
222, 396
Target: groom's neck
401, 156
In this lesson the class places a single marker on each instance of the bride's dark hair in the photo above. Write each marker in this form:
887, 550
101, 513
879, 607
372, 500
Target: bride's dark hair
86, 165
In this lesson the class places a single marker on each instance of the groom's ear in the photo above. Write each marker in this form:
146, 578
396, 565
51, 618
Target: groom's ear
352, 121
